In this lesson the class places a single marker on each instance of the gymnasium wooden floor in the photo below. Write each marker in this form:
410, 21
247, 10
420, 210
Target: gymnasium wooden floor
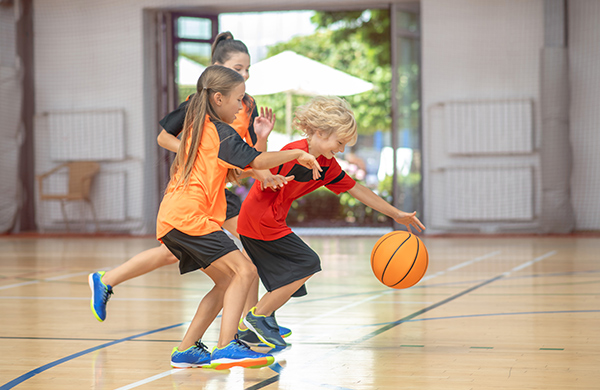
491, 313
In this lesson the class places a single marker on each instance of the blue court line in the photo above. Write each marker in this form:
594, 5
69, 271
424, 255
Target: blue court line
39, 370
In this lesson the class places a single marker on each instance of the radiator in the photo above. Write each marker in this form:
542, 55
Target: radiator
86, 135
497, 127
489, 194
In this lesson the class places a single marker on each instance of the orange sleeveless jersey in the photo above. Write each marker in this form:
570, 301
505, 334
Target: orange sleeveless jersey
199, 209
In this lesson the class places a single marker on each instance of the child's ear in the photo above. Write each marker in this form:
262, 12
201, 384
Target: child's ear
218, 98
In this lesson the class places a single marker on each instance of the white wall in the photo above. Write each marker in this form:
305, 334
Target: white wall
88, 56
478, 51
584, 55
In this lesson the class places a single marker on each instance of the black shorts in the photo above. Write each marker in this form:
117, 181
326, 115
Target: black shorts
282, 261
234, 204
195, 252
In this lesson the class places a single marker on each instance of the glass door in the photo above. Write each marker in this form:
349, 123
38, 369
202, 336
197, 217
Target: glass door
406, 108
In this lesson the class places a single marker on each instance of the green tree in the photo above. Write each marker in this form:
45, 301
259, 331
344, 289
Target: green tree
353, 56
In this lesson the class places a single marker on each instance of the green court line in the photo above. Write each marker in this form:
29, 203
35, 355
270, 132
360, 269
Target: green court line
481, 347
552, 349
412, 346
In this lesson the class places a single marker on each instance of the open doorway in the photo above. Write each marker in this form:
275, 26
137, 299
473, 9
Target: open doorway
381, 46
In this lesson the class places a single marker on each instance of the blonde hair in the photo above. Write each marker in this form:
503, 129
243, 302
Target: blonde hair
215, 78
328, 115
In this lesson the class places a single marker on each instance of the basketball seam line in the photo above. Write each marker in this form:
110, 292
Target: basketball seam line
412, 265
377, 247
392, 256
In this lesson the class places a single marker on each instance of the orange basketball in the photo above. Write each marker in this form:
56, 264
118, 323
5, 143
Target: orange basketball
399, 259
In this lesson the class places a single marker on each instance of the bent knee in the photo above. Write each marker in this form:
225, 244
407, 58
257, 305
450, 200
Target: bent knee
247, 271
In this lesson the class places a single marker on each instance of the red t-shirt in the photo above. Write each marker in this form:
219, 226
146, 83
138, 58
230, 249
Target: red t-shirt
263, 213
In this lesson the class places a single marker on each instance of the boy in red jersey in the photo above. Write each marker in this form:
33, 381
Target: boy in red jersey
284, 262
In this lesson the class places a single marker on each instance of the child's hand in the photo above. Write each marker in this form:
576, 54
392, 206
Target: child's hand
264, 123
309, 161
275, 182
410, 220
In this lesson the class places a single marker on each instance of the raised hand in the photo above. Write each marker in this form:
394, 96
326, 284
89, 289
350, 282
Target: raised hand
264, 123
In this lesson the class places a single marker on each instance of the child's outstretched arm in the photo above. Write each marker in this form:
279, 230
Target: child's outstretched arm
266, 178
268, 160
372, 200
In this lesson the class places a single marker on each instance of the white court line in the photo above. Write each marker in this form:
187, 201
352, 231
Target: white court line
112, 299
47, 279
529, 263
153, 378
342, 308
147, 380
461, 265
68, 276
18, 285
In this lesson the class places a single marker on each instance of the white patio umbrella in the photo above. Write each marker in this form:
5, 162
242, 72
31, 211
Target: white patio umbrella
292, 73
188, 71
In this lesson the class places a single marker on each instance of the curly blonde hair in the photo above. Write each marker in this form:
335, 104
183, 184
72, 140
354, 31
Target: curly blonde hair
328, 115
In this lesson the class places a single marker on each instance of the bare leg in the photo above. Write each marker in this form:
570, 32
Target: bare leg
243, 272
273, 300
231, 226
208, 309
140, 264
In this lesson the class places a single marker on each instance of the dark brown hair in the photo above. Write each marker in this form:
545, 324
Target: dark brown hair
222, 49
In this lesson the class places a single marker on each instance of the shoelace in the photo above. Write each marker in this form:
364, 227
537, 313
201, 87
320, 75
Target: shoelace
240, 342
201, 345
106, 295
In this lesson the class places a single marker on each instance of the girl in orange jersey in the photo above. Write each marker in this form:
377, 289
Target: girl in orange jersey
250, 126
193, 210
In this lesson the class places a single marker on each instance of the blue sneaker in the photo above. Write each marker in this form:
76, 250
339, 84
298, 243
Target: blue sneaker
238, 354
100, 295
195, 356
283, 331
265, 328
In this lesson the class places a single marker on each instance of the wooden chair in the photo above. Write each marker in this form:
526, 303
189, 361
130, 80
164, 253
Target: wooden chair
81, 174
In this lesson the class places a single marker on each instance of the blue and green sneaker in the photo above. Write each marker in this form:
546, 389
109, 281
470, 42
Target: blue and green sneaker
100, 295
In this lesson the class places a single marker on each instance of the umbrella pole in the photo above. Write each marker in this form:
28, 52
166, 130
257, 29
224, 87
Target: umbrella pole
288, 113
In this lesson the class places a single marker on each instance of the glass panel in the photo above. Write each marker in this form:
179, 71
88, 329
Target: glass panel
194, 28
409, 118
192, 60
407, 21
